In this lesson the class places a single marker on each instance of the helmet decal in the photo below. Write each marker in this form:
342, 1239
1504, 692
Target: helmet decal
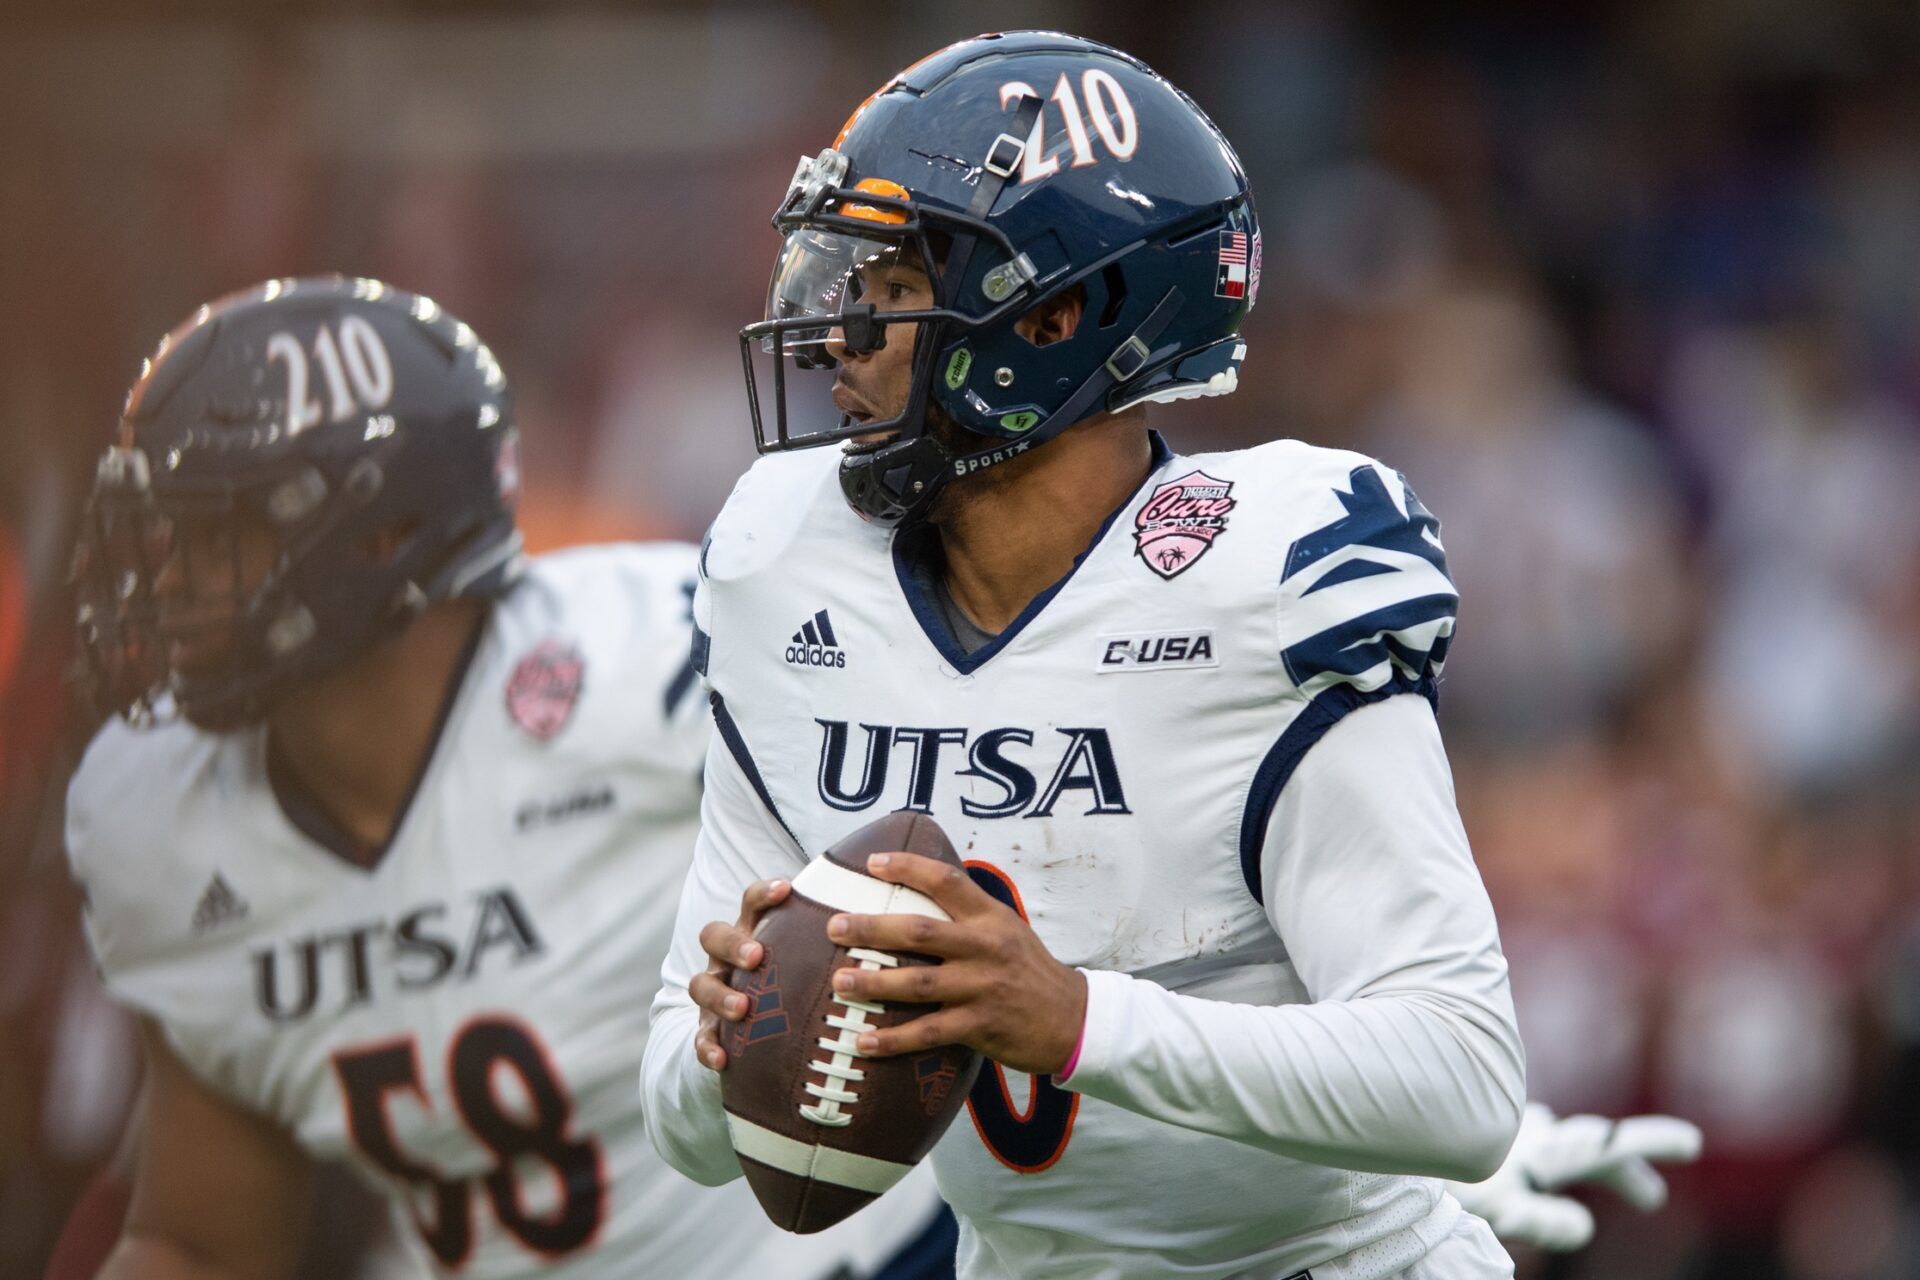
357, 369
1108, 110
1231, 281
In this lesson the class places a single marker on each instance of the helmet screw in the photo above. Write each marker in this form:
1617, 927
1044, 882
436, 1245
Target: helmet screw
918, 485
1003, 376
295, 499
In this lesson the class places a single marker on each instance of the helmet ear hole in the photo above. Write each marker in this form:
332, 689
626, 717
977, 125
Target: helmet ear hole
1055, 320
1114, 281
386, 545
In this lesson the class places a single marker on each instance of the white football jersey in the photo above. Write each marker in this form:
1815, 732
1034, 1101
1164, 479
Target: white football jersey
1284, 975
463, 1020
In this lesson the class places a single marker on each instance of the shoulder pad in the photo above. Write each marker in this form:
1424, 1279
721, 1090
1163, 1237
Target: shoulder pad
124, 775
1363, 597
640, 575
625, 611
783, 498
122, 815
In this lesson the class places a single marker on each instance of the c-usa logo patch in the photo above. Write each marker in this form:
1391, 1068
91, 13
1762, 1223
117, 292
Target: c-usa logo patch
1156, 651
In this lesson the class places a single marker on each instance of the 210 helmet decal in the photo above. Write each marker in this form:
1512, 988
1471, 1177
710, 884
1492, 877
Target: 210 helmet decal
300, 469
1013, 169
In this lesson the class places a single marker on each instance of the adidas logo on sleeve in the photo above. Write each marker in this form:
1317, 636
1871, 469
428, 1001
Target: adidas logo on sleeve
814, 644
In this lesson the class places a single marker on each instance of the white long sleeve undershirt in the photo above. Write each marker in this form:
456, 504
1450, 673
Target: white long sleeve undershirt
1408, 1060
740, 842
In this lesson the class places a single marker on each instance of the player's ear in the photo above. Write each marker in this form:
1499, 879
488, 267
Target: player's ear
1054, 319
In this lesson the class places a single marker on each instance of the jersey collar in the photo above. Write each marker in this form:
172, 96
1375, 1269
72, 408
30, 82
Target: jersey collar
917, 563
310, 818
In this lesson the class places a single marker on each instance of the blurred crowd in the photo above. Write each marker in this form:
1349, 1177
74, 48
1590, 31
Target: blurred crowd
1630, 293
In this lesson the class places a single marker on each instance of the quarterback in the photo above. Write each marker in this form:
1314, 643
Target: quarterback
385, 845
1223, 938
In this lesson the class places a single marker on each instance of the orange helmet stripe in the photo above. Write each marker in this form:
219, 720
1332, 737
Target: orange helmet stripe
899, 75
847, 128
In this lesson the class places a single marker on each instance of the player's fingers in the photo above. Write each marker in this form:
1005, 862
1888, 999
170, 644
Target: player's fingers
729, 944
1548, 1222
922, 934
711, 992
1638, 1183
910, 984
946, 884
1666, 1139
706, 1044
930, 1031
757, 897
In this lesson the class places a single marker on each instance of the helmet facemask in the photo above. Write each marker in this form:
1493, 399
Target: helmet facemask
202, 600
842, 247
182, 596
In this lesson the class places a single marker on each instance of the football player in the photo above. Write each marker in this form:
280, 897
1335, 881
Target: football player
385, 847
1223, 938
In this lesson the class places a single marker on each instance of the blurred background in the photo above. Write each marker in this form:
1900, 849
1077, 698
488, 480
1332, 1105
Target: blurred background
1630, 292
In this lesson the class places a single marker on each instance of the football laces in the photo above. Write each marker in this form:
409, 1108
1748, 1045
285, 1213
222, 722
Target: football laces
836, 1092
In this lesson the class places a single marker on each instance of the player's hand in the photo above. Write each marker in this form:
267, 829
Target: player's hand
1551, 1153
729, 946
1002, 992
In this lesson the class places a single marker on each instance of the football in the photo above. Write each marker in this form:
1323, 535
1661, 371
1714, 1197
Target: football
820, 1130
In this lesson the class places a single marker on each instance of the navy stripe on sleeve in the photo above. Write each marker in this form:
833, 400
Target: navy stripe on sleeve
1285, 756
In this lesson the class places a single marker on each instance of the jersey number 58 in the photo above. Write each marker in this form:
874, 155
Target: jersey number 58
539, 1133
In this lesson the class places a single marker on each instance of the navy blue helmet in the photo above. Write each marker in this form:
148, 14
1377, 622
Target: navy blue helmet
1014, 168
299, 470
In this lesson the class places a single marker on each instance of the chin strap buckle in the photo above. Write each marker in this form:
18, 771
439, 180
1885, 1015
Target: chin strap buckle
1128, 360
1004, 156
1131, 356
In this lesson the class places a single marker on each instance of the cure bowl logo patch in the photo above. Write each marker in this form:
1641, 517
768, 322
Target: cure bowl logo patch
1181, 520
543, 688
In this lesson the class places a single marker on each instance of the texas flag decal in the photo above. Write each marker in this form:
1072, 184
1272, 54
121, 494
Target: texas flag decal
1231, 280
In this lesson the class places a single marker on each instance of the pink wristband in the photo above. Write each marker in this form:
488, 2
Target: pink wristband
1060, 1077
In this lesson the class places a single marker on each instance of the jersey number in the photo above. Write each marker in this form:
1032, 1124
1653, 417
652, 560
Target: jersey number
533, 1130
355, 366
1029, 1140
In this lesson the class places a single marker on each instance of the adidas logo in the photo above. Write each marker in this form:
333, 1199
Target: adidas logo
814, 644
218, 905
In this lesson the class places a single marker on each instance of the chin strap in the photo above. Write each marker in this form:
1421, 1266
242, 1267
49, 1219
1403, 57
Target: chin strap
897, 483
1127, 360
1003, 160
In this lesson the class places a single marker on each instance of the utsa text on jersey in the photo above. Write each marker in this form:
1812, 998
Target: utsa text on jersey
416, 950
